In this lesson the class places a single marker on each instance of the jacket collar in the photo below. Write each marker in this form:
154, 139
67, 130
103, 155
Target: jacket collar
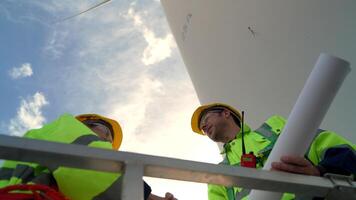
227, 146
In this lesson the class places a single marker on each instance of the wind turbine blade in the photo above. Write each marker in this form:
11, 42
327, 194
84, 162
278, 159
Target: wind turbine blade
91, 8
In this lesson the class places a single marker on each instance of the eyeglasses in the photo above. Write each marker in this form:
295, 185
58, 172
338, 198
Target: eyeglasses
204, 118
103, 131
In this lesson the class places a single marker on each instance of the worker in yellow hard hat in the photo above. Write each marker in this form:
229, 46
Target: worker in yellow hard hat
106, 128
199, 118
92, 130
110, 130
329, 152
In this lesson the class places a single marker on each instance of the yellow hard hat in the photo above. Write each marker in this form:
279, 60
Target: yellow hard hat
117, 132
200, 110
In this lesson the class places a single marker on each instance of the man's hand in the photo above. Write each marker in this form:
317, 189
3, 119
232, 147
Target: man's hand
296, 164
168, 196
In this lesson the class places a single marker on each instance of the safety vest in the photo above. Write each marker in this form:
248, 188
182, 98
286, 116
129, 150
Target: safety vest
261, 142
76, 184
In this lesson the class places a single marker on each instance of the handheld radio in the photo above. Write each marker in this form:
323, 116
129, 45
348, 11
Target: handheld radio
247, 160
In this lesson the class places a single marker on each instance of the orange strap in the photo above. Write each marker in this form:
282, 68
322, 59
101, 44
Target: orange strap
39, 192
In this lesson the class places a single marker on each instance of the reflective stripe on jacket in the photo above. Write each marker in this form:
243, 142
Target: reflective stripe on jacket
261, 142
77, 184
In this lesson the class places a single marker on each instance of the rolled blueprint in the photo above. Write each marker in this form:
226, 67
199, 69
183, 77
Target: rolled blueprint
307, 114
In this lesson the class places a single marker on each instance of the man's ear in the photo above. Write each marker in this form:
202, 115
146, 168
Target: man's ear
226, 113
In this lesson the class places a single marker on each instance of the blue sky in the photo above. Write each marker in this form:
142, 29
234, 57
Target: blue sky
20, 43
118, 60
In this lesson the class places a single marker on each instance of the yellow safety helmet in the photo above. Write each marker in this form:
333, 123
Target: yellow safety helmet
200, 110
116, 128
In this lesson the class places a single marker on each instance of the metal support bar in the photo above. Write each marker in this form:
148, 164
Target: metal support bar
132, 183
343, 186
51, 154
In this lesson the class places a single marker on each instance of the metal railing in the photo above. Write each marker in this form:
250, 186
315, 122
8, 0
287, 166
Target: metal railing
134, 166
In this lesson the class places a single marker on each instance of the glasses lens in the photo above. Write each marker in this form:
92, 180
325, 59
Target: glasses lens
205, 114
104, 129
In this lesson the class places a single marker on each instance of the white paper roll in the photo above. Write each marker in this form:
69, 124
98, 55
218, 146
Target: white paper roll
307, 114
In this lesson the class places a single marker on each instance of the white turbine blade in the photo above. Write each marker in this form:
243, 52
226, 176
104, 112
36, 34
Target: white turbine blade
91, 8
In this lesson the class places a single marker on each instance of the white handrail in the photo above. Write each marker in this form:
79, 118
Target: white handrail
52, 155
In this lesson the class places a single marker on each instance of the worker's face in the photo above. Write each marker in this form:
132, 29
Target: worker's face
213, 123
101, 130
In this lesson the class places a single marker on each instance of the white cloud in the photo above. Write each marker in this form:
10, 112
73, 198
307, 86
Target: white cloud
10, 13
158, 49
134, 109
56, 44
29, 115
57, 41
156, 121
20, 72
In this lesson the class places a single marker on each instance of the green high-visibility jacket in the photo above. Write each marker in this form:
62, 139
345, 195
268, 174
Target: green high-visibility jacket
77, 184
261, 142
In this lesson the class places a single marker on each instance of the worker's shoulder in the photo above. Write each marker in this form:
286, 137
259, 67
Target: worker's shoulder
65, 119
329, 136
276, 120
